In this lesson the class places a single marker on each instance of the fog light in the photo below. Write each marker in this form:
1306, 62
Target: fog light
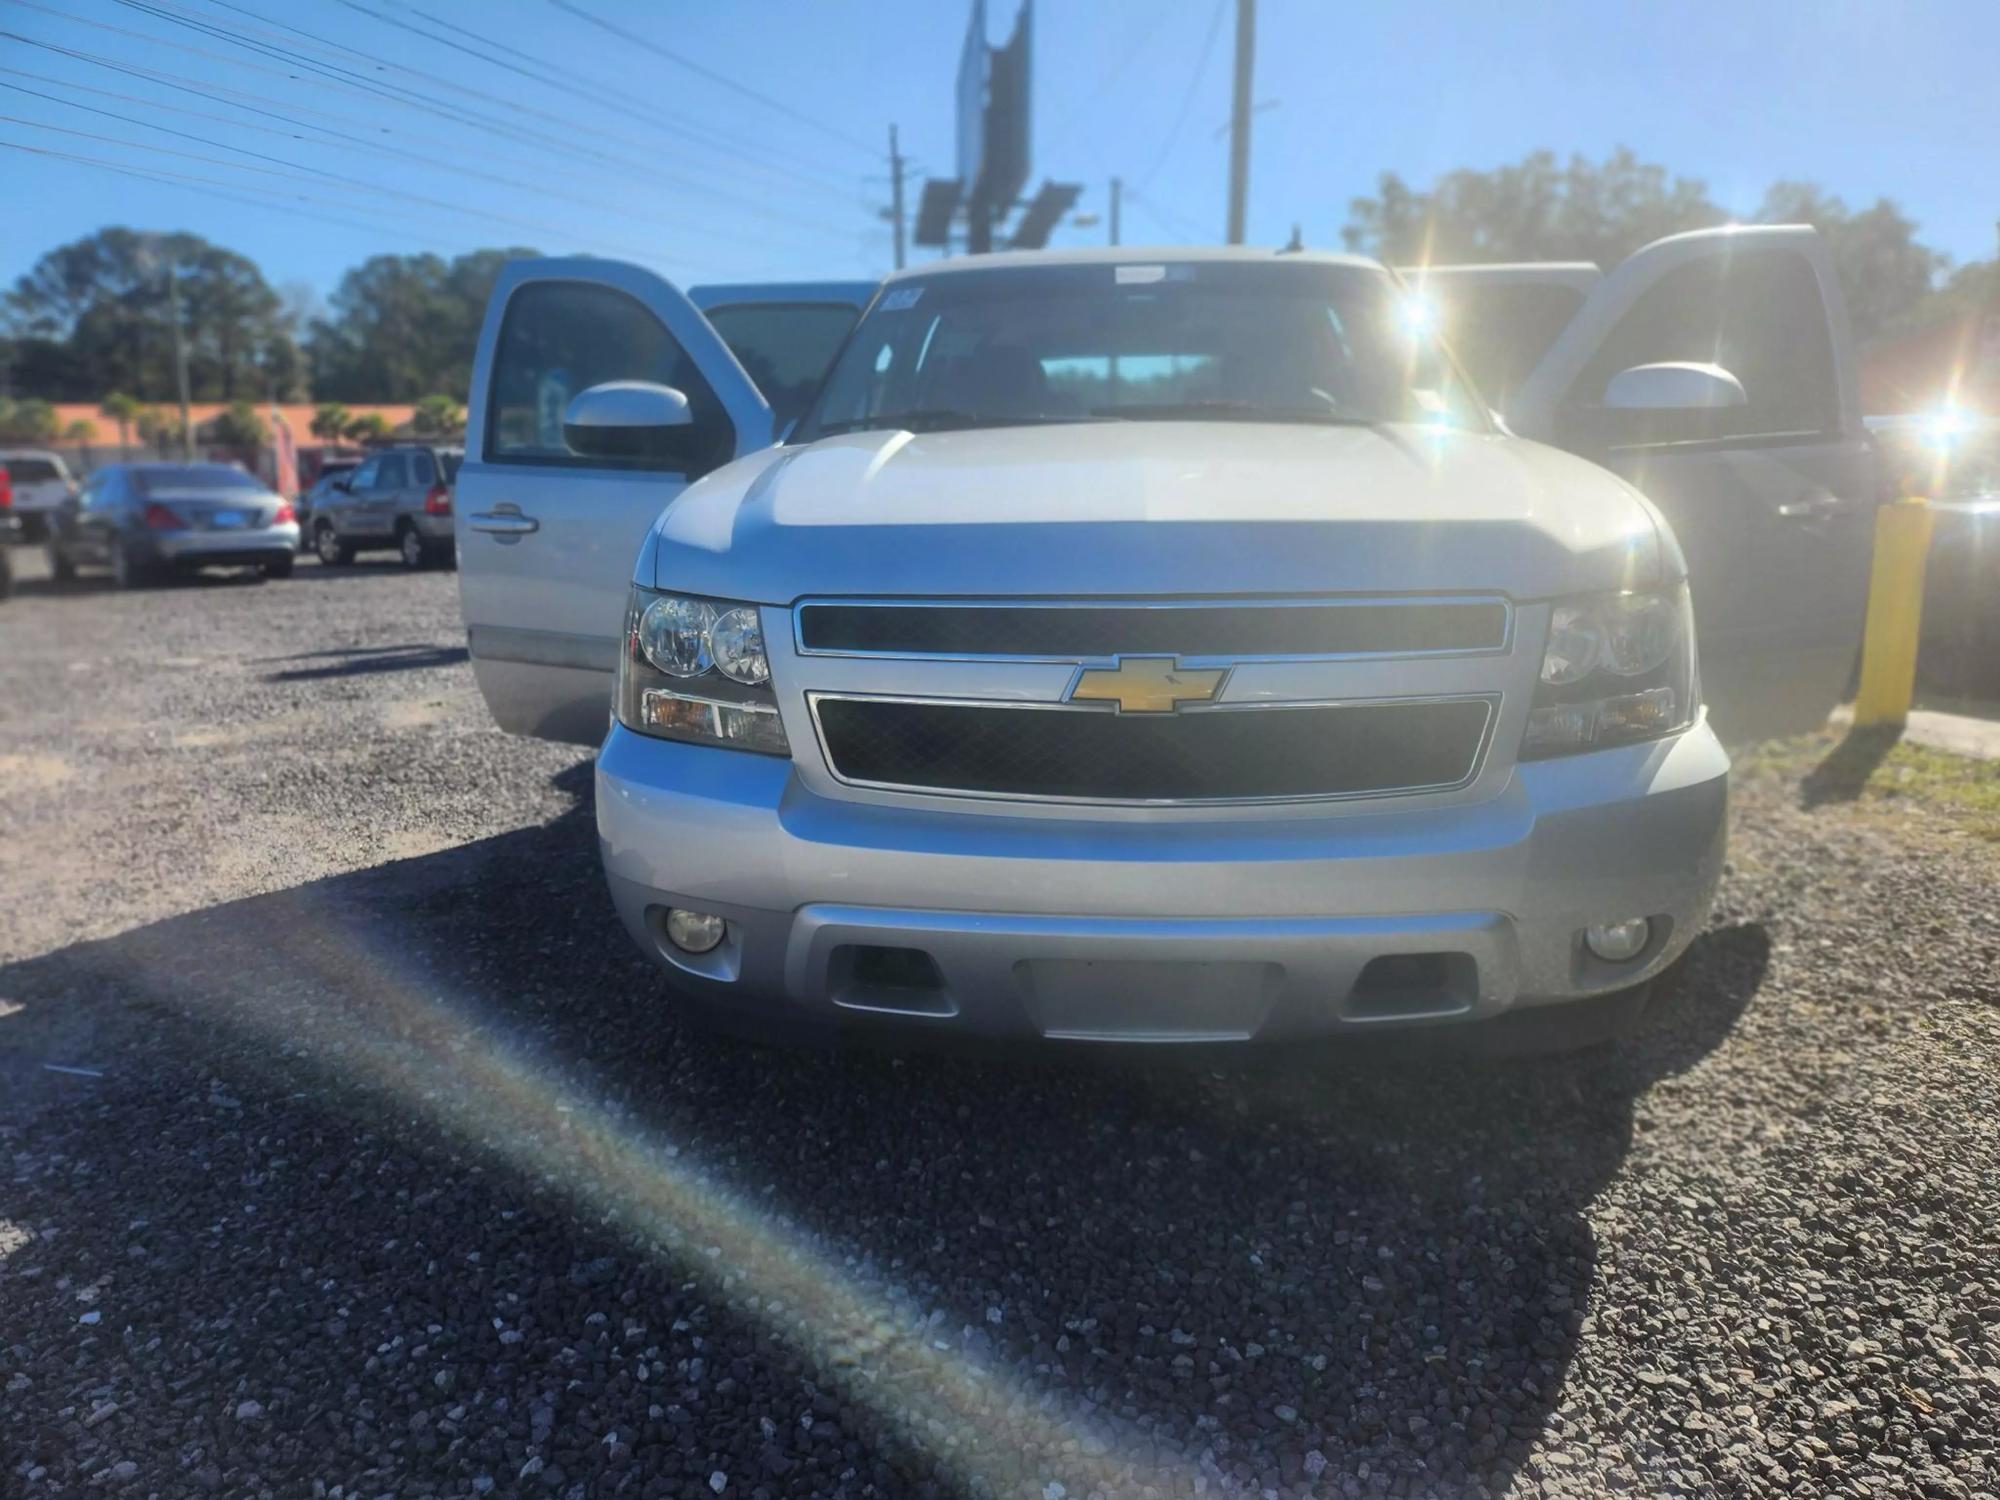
699, 931
1618, 942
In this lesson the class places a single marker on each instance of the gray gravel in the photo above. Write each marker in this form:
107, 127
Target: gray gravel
383, 1167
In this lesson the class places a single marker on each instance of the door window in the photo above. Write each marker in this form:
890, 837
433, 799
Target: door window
560, 338
423, 471
394, 474
363, 478
1500, 330
1759, 315
784, 347
100, 490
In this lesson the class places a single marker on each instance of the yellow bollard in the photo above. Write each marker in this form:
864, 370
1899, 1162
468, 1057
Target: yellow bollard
1895, 610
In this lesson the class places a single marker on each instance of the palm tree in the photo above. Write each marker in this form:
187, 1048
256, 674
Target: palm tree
330, 422
121, 408
369, 427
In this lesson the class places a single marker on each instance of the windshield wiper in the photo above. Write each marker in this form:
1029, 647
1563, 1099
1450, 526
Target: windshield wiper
1228, 411
940, 419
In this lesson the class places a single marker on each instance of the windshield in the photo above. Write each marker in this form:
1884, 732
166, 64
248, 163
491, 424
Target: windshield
159, 479
1291, 341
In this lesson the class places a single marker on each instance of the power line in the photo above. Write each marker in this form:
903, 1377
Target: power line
456, 114
589, 90
592, 91
300, 173
714, 77
1187, 99
209, 187
398, 151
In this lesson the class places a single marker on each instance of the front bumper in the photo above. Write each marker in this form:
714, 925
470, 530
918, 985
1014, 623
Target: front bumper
1161, 929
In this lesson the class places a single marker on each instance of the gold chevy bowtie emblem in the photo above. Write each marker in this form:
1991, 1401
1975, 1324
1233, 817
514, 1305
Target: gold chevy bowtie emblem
1147, 685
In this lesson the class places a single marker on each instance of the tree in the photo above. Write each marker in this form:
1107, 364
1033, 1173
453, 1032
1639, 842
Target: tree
240, 427
161, 427
330, 422
29, 421
1884, 272
401, 326
1535, 209
121, 408
369, 427
80, 430
438, 415
105, 299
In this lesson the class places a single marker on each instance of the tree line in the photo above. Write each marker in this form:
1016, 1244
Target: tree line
95, 317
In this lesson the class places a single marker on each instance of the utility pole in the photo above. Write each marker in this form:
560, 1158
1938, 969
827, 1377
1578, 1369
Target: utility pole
896, 194
180, 362
1117, 192
1239, 118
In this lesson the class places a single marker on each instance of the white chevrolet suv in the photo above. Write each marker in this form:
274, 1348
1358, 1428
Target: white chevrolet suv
1170, 645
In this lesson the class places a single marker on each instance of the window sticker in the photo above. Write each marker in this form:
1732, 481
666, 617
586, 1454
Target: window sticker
900, 299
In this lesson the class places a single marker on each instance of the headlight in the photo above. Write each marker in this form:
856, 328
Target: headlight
1617, 668
695, 670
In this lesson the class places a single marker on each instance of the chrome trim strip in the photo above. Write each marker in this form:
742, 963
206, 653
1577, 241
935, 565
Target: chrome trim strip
1504, 646
1473, 768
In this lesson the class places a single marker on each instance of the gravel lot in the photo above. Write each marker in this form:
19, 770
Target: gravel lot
385, 1169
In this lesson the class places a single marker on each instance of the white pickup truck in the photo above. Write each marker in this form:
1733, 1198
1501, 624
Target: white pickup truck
1170, 645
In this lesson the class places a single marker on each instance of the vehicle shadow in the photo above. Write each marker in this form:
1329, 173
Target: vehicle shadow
361, 661
363, 1114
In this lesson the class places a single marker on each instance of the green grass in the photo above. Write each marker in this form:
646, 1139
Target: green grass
1875, 769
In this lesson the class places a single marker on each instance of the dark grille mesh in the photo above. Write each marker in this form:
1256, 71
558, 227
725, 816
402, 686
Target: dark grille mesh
1082, 631
1040, 752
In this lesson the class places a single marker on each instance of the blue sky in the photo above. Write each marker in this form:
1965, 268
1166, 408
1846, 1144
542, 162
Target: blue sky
645, 159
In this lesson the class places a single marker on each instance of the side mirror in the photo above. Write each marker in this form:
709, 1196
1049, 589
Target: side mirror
629, 419
1674, 385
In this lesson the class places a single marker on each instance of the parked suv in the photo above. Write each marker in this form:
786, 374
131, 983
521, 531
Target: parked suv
1163, 646
398, 497
41, 483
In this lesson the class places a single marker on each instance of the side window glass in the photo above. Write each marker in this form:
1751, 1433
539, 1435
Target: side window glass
1499, 331
423, 471
558, 339
394, 473
363, 478
1759, 315
784, 347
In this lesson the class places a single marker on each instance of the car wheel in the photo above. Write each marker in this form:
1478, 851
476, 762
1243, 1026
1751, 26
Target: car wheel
410, 543
6, 576
60, 567
126, 570
331, 549
278, 567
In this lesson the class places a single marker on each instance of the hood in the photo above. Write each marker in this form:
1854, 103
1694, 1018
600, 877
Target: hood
1137, 508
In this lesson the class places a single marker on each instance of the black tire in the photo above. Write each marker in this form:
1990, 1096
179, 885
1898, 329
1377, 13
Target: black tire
6, 573
331, 550
413, 549
278, 567
60, 567
127, 572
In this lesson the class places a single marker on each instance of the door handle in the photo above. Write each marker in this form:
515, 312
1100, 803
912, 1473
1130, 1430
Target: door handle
503, 522
1809, 510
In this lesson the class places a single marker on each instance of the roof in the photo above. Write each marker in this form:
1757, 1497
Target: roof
1131, 255
853, 293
